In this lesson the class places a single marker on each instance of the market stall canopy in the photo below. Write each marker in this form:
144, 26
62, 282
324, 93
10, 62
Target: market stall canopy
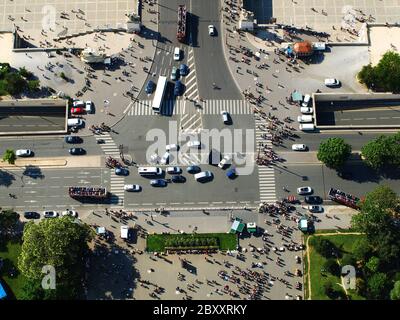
237, 226
251, 227
101, 230
297, 96
3, 293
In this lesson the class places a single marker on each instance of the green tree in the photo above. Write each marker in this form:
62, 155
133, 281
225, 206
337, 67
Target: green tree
348, 259
9, 156
385, 75
382, 152
360, 286
373, 264
33, 85
334, 152
61, 243
377, 286
15, 83
25, 73
395, 292
8, 220
361, 249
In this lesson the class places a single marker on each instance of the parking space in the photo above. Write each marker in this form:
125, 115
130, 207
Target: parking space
80, 15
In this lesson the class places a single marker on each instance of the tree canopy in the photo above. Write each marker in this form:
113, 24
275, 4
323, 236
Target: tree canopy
334, 152
377, 286
385, 75
9, 156
382, 152
61, 243
8, 220
395, 292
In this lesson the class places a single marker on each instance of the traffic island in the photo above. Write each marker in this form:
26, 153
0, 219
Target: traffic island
195, 241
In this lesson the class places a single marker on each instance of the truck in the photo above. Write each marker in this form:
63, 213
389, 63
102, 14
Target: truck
343, 198
181, 30
99, 193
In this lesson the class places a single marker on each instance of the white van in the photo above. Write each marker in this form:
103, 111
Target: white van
149, 171
306, 100
305, 118
75, 122
307, 127
124, 232
177, 54
204, 175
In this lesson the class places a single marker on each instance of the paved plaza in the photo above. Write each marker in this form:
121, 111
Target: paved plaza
326, 13
80, 15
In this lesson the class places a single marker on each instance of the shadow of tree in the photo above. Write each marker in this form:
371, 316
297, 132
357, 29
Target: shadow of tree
112, 272
6, 178
33, 172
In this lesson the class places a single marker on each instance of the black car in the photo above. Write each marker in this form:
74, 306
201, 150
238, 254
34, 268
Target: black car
77, 151
178, 179
31, 215
313, 199
73, 139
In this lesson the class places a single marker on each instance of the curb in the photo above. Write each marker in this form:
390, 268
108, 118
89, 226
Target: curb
38, 163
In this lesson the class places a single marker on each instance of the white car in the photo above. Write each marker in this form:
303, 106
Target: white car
177, 54
304, 190
225, 161
24, 153
194, 144
174, 170
78, 104
306, 110
225, 116
132, 187
172, 147
88, 106
165, 158
332, 82
50, 214
299, 147
71, 213
211, 30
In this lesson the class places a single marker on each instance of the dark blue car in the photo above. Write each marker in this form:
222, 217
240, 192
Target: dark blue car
150, 86
178, 89
121, 172
183, 69
73, 139
193, 169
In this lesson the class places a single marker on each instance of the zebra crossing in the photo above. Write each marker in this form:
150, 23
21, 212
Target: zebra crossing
266, 174
109, 147
191, 92
117, 189
177, 107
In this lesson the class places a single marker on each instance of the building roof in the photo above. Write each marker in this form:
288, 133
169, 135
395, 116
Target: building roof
304, 47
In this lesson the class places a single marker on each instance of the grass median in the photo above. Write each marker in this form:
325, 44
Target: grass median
158, 242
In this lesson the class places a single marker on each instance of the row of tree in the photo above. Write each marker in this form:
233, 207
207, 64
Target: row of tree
380, 153
378, 254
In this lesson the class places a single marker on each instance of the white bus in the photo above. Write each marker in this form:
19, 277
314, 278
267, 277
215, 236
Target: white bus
149, 171
158, 96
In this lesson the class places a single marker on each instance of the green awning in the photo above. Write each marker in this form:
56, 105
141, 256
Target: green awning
297, 96
237, 226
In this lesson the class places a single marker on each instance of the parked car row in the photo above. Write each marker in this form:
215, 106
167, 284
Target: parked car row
50, 214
